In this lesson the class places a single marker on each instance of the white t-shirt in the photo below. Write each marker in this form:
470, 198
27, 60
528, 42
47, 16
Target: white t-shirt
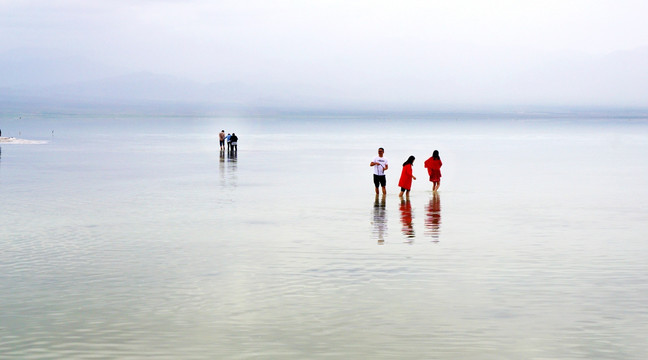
378, 169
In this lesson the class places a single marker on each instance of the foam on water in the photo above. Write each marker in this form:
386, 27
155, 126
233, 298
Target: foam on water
13, 140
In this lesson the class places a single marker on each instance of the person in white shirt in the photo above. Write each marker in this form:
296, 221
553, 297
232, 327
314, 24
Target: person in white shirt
380, 164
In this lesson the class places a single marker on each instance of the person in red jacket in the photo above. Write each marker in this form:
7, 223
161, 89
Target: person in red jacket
406, 177
433, 166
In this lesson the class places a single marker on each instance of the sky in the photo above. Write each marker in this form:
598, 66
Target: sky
367, 51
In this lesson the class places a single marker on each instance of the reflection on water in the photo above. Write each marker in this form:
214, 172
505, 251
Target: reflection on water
407, 213
227, 167
406, 219
232, 155
107, 254
380, 219
433, 217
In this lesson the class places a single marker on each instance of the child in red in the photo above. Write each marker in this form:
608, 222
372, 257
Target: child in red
433, 166
406, 177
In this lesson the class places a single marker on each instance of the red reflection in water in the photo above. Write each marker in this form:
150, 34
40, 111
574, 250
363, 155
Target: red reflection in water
433, 217
406, 218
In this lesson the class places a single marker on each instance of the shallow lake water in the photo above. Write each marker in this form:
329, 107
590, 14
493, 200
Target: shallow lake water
135, 237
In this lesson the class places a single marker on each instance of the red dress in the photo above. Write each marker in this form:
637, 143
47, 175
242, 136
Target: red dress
406, 177
433, 167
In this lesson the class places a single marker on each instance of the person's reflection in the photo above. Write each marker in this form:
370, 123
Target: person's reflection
433, 217
380, 219
227, 168
232, 159
221, 167
232, 156
406, 219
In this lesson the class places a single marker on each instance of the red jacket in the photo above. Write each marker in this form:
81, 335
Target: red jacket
406, 177
432, 164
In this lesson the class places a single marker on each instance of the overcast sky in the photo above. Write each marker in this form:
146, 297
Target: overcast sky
370, 50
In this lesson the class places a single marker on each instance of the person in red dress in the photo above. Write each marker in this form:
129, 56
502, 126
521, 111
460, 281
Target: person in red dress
433, 166
406, 177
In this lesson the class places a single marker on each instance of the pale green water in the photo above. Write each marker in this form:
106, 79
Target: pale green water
133, 238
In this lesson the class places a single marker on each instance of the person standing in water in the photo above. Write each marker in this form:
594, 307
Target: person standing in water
406, 177
234, 140
221, 139
433, 166
380, 164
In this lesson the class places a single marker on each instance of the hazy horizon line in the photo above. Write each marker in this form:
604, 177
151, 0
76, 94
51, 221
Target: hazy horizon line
169, 108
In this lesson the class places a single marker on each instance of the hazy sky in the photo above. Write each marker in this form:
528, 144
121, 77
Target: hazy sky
368, 49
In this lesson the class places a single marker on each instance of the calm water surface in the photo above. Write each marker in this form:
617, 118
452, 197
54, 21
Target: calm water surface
136, 238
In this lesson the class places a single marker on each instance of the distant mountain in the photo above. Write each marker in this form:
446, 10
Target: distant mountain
617, 79
30, 68
148, 87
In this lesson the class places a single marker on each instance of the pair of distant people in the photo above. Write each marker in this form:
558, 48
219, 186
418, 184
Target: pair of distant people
230, 139
380, 164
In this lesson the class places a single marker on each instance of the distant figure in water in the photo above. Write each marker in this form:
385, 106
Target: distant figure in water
406, 177
433, 166
234, 140
380, 164
228, 138
221, 139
